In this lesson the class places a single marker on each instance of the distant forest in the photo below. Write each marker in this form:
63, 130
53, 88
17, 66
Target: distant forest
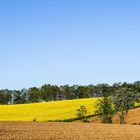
49, 92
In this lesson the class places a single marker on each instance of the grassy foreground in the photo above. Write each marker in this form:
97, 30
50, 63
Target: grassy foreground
47, 111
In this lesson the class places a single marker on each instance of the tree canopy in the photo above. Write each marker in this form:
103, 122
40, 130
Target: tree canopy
65, 92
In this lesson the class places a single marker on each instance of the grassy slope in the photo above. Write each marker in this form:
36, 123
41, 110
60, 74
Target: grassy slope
58, 110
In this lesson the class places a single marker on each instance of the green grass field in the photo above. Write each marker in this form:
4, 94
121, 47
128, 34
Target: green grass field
47, 111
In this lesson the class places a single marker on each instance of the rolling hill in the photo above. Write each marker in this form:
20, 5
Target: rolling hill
46, 111
55, 111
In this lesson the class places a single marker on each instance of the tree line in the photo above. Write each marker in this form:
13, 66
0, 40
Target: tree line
49, 92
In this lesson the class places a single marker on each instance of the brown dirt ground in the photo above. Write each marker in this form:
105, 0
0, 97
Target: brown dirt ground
67, 131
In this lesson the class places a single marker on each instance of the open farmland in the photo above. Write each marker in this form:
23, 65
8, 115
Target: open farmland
67, 131
47, 111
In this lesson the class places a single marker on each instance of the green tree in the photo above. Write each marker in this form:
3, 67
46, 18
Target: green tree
82, 113
20, 96
50, 92
34, 95
66, 91
83, 92
5, 96
124, 100
105, 109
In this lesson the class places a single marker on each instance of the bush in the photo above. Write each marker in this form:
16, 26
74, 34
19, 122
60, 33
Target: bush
82, 113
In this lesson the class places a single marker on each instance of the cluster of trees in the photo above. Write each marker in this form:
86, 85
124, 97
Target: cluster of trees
110, 105
117, 104
54, 92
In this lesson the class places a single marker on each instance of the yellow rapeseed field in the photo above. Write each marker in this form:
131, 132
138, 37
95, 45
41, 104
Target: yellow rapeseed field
58, 110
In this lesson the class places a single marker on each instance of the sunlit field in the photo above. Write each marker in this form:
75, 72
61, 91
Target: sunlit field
47, 111
67, 131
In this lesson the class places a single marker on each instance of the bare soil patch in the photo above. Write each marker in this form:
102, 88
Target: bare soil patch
67, 131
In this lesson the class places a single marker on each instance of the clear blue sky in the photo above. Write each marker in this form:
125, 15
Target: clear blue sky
68, 42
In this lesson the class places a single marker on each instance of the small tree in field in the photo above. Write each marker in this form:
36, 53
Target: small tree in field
105, 109
82, 113
124, 100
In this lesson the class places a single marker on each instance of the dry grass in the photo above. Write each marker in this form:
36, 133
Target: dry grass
67, 131
134, 116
